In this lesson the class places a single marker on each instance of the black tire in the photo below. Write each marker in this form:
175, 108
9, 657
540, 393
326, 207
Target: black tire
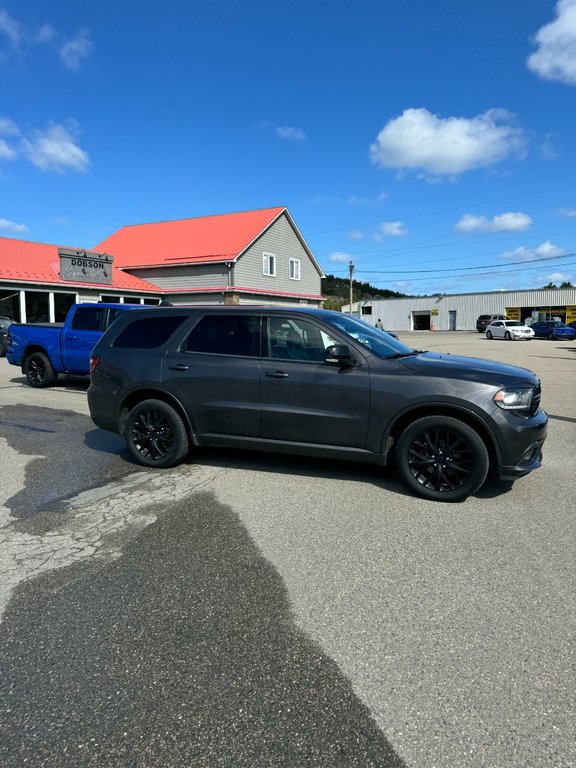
155, 435
507, 336
551, 336
488, 334
427, 443
39, 371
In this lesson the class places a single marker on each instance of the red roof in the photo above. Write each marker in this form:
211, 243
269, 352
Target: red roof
21, 260
170, 243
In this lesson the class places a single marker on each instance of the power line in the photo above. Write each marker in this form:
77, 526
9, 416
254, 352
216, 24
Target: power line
457, 269
492, 274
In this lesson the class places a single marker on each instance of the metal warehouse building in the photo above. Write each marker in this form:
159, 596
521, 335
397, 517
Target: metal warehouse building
459, 312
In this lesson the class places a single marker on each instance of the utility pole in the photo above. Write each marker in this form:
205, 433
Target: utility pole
351, 270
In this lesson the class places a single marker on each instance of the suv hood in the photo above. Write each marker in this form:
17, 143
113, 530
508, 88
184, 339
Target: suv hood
470, 369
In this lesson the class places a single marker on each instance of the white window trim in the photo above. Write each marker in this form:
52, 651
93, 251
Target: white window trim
266, 264
296, 263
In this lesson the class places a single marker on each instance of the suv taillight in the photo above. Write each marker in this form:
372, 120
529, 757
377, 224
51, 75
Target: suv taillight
94, 360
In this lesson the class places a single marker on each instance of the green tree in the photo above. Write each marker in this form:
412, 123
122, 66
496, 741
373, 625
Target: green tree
549, 285
566, 284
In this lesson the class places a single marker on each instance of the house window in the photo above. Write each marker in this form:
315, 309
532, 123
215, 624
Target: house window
269, 264
294, 270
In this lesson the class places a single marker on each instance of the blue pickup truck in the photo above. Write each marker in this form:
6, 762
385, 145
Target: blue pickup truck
44, 350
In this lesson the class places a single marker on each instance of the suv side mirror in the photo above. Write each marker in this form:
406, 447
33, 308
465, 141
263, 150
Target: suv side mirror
339, 354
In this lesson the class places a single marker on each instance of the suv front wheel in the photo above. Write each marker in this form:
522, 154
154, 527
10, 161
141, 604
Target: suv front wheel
155, 434
442, 459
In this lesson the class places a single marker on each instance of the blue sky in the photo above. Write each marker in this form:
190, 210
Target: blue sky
431, 143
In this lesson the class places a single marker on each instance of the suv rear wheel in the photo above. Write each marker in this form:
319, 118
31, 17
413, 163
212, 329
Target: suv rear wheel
442, 459
156, 435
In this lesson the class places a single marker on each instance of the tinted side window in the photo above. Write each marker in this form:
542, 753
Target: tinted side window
114, 314
148, 332
226, 335
290, 339
88, 319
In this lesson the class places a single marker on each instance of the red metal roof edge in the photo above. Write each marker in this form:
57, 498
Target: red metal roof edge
69, 284
239, 289
185, 263
279, 208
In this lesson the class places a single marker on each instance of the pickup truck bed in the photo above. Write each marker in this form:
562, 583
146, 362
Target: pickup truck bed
44, 350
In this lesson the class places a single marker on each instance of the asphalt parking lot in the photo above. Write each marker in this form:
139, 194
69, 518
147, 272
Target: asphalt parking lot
451, 626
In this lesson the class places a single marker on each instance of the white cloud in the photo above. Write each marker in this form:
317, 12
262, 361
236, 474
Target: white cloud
74, 51
45, 34
357, 200
355, 234
6, 151
337, 257
12, 227
289, 133
55, 149
447, 146
504, 222
545, 251
10, 27
555, 277
569, 212
555, 58
8, 127
390, 229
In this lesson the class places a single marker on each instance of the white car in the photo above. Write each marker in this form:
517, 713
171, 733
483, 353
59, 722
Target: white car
509, 330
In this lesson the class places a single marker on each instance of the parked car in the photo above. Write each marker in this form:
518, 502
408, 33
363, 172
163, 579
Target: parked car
509, 329
313, 383
484, 321
43, 350
553, 329
5, 323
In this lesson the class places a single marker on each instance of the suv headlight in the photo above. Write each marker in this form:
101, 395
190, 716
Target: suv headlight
514, 398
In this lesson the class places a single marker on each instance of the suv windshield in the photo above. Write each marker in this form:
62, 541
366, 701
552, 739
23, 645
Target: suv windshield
378, 342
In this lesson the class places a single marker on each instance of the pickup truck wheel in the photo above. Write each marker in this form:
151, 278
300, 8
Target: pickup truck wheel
155, 434
39, 371
442, 459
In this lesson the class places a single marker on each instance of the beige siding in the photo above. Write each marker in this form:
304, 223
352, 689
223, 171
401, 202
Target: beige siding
282, 241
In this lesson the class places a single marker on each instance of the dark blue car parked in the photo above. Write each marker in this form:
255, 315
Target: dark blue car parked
553, 329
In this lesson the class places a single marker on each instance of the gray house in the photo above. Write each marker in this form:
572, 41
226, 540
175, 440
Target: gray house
252, 257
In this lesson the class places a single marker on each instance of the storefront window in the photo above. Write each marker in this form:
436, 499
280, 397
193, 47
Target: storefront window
37, 307
62, 303
10, 305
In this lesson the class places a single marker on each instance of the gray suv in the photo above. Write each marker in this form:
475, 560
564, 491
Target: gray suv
314, 383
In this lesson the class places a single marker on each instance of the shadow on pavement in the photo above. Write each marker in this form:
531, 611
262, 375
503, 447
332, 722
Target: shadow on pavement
183, 652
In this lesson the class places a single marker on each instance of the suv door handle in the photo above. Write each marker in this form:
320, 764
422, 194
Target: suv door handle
277, 374
178, 367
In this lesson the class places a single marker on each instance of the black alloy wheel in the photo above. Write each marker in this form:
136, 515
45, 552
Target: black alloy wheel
442, 459
39, 371
156, 435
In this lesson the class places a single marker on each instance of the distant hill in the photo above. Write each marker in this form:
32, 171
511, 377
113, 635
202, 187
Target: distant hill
337, 292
